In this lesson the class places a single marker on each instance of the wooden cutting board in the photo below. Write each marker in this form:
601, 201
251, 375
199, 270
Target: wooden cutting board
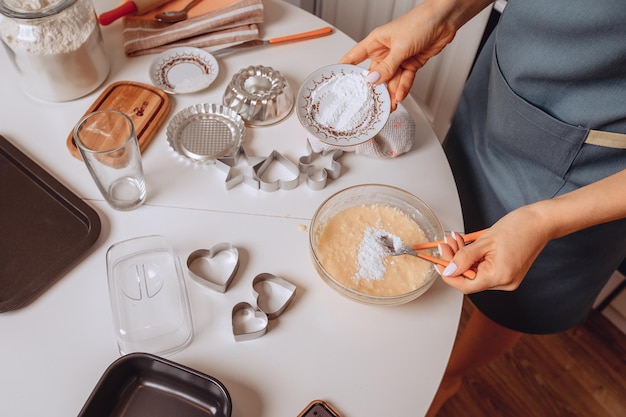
147, 106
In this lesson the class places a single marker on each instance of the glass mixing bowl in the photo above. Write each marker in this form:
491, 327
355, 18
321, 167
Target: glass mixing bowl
375, 194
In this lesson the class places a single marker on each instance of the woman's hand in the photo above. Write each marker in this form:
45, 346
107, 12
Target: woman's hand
399, 48
503, 254
501, 257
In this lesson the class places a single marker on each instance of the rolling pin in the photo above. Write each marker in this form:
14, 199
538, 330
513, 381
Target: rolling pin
129, 7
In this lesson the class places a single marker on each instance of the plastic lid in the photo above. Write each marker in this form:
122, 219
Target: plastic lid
148, 296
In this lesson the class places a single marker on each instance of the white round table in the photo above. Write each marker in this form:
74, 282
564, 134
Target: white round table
364, 360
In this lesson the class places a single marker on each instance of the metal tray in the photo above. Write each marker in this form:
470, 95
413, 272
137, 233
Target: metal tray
141, 384
44, 227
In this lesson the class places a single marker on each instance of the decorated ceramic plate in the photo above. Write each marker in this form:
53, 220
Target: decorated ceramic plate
184, 70
339, 107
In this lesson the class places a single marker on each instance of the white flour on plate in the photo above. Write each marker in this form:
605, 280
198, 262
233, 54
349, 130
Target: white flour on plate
343, 102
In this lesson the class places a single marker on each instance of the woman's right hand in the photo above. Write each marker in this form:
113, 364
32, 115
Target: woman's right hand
401, 47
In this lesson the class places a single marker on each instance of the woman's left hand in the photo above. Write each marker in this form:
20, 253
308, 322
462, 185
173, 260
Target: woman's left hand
501, 257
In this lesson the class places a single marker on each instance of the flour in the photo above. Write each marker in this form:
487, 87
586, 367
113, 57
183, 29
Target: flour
343, 102
59, 56
67, 32
371, 255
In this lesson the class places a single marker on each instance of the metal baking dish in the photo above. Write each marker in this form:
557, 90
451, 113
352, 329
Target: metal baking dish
141, 384
45, 228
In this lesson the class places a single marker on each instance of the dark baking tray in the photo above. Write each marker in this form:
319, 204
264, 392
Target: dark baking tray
142, 384
44, 228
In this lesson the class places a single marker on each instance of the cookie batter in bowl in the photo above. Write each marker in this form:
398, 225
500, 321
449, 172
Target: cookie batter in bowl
350, 251
346, 249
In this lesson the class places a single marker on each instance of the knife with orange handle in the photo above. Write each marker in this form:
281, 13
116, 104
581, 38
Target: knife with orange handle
327, 30
129, 7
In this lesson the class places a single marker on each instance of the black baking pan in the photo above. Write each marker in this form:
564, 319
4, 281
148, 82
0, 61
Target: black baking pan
44, 228
142, 384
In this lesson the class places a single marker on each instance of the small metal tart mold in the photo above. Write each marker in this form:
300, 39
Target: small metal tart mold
316, 177
261, 95
214, 268
184, 70
206, 132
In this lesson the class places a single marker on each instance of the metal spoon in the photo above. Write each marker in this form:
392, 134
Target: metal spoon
175, 16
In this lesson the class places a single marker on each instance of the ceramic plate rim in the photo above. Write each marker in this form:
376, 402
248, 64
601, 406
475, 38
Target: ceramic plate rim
167, 60
382, 99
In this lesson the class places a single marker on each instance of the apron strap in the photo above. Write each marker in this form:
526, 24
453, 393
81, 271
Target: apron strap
607, 139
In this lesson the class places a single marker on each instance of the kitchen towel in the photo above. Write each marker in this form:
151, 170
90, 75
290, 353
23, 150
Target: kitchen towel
394, 139
210, 22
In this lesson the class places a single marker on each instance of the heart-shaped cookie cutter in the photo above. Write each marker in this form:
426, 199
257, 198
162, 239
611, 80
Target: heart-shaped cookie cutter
282, 184
273, 295
214, 268
248, 322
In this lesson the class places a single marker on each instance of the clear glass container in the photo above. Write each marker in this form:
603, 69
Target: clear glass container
370, 194
149, 300
55, 45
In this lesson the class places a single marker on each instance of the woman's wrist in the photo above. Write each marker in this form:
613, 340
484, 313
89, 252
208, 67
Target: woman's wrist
454, 12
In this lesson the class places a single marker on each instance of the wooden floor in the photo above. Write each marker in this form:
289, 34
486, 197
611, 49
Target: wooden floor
581, 372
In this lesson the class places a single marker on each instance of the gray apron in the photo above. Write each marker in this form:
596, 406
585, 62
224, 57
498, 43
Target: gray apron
505, 153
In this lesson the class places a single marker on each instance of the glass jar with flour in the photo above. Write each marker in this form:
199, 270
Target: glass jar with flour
55, 45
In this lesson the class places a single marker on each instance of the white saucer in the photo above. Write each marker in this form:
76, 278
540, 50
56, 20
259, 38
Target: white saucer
184, 70
310, 105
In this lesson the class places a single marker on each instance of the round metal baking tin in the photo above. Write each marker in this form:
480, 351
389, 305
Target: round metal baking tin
206, 132
261, 95
184, 70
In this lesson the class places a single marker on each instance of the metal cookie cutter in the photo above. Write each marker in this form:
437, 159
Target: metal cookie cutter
317, 177
248, 322
237, 167
276, 157
273, 295
214, 268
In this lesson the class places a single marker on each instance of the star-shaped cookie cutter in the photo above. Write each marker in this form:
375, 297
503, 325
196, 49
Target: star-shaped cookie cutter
235, 175
316, 178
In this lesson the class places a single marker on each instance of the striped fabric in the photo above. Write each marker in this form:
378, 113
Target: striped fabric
211, 22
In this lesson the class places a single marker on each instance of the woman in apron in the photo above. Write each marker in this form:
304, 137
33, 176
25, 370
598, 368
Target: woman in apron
538, 151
